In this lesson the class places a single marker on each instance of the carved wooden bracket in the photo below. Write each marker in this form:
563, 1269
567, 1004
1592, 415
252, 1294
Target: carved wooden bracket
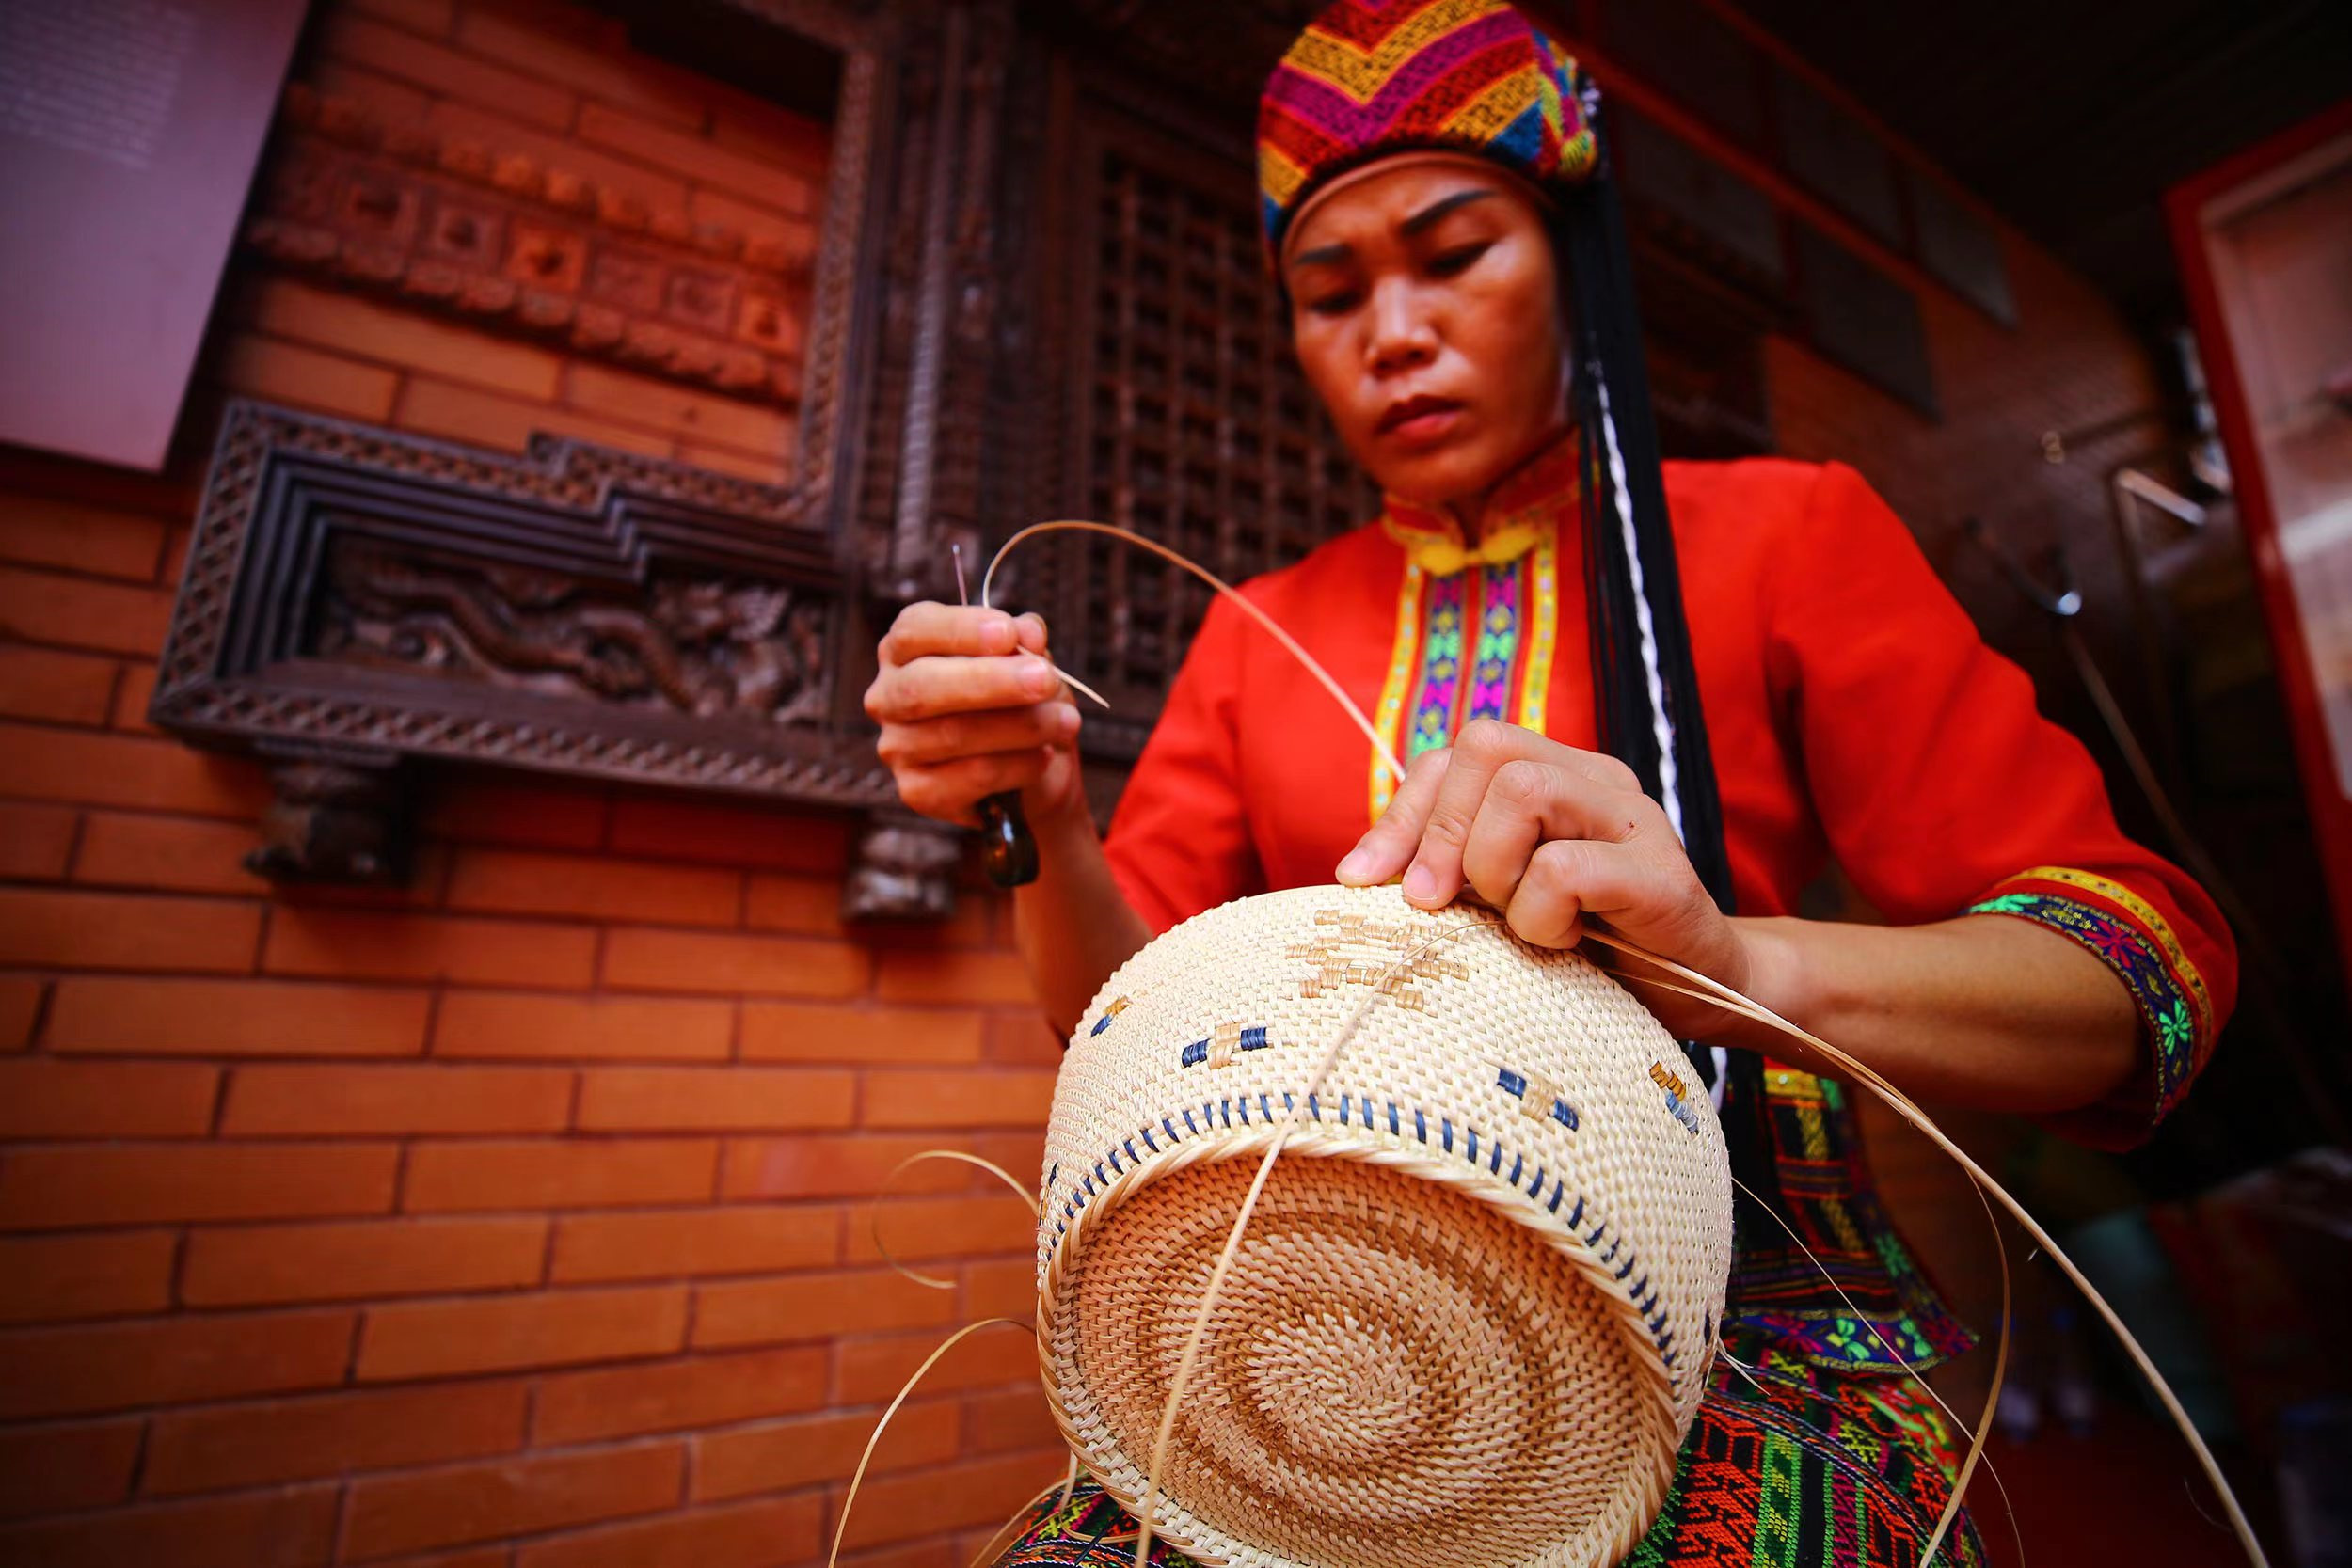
355, 597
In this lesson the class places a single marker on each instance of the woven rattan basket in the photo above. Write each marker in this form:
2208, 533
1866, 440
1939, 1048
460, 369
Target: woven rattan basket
1472, 1316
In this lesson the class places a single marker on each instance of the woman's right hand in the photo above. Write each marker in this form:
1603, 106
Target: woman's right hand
969, 706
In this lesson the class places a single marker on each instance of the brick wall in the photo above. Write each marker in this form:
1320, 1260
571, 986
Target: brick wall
517, 1216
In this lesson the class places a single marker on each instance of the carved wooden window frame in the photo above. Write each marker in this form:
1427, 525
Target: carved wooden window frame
239, 669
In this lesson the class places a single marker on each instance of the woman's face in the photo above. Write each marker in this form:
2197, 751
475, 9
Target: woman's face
1424, 304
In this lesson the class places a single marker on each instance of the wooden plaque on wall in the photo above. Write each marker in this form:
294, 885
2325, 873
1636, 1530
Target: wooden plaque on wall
129, 130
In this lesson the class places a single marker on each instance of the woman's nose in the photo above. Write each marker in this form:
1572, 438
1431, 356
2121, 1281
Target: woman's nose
1401, 336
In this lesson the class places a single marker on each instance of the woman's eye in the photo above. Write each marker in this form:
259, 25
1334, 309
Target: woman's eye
1337, 303
1446, 263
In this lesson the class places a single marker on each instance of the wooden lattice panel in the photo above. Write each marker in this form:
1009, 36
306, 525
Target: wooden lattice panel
1188, 420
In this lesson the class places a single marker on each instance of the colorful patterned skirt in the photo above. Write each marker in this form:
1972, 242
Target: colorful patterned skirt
1803, 1468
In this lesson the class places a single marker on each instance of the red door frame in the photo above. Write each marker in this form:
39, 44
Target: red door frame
2184, 205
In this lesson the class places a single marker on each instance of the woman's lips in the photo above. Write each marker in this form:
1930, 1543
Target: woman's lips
1419, 423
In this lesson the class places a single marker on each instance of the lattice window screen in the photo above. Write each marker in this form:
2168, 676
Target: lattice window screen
1189, 421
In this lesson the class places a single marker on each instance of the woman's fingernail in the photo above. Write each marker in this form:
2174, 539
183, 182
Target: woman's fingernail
1421, 884
1037, 677
1065, 720
1355, 867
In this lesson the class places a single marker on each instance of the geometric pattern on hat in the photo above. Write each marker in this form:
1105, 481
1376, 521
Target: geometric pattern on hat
1374, 76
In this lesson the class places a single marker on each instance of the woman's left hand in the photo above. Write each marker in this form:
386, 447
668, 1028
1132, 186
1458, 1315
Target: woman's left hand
1552, 836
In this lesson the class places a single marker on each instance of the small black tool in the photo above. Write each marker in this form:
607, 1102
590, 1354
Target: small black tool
1007, 850
1010, 854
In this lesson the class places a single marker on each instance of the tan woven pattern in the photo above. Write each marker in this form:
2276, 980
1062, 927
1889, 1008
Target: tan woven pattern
1471, 1319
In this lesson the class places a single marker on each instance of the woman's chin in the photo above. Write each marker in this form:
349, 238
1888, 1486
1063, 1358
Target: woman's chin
1439, 478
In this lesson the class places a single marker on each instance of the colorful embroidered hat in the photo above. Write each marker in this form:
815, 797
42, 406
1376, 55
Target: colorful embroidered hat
1373, 76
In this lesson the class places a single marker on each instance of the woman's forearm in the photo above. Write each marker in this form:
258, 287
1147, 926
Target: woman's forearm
1073, 924
1983, 1010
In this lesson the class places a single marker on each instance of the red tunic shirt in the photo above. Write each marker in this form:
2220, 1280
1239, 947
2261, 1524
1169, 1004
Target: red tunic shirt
1853, 710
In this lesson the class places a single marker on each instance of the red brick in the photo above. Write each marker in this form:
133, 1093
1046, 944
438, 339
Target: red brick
777, 839
994, 1223
700, 160
770, 132
35, 842
113, 930
1000, 1287
236, 1018
430, 18
710, 1390
56, 1469
713, 1099
656, 189
483, 419
813, 1306
792, 1032
540, 815
99, 540
979, 1492
185, 854
525, 1024
270, 1265
781, 1455
671, 1244
765, 469
446, 71
426, 947
289, 372
442, 1338
87, 768
134, 1184
835, 1168
675, 410
483, 1502
133, 694
1024, 1038
272, 1529
872, 1370
649, 959
252, 1445
111, 1273
751, 1535
86, 1368
45, 683
20, 1005
994, 1097
587, 1173
336, 318
595, 887
80, 612
41, 1098
1007, 1420
810, 906
588, 64
956, 975
275, 1100
390, 103
941, 1551
796, 235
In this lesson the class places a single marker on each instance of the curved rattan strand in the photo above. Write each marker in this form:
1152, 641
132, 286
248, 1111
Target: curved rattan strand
1471, 1318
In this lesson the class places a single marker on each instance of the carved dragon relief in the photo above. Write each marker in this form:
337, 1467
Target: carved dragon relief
704, 647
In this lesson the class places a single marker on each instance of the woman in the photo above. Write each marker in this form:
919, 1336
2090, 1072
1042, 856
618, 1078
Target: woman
1645, 696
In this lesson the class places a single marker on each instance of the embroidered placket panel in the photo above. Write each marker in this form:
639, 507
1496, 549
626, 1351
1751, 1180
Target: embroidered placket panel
1476, 643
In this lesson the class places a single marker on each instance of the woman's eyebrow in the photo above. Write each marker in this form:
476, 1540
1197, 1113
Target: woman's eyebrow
1323, 255
1328, 255
1428, 216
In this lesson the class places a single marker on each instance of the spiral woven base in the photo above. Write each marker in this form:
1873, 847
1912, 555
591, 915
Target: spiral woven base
1472, 1313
